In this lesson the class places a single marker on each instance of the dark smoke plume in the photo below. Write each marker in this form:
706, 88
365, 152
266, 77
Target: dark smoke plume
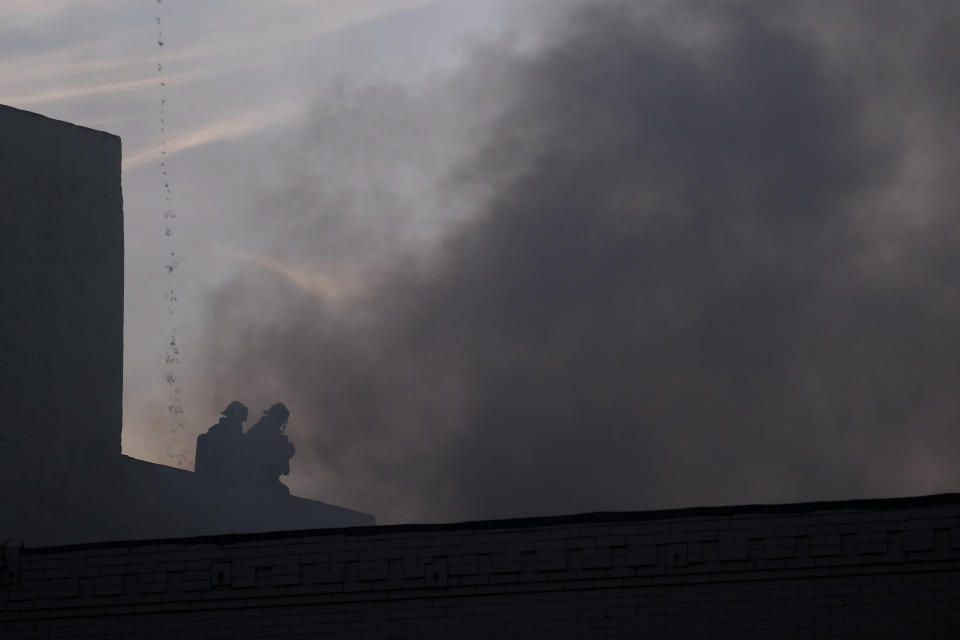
709, 253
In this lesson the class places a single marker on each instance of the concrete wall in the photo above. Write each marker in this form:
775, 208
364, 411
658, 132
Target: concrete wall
877, 569
61, 326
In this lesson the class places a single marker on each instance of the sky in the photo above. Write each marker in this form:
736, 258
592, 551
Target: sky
534, 257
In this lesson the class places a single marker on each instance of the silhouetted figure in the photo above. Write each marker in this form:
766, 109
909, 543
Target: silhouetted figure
269, 450
221, 451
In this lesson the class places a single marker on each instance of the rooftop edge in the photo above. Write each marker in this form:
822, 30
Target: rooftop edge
864, 504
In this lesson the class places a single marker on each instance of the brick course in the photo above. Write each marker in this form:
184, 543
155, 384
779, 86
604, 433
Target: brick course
882, 568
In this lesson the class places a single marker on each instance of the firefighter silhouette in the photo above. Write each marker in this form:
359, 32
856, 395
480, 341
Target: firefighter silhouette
269, 449
256, 458
220, 451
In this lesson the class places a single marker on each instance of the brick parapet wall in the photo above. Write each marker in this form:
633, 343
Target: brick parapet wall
878, 571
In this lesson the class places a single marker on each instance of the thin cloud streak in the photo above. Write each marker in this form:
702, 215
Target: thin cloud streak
319, 285
107, 67
35, 100
228, 128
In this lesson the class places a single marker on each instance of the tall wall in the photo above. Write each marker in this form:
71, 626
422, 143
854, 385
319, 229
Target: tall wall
61, 324
863, 569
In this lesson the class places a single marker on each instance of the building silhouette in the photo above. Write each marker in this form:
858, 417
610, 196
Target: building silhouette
97, 544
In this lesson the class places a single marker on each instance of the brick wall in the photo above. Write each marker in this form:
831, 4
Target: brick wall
882, 568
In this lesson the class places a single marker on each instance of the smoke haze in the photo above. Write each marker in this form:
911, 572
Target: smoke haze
661, 255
